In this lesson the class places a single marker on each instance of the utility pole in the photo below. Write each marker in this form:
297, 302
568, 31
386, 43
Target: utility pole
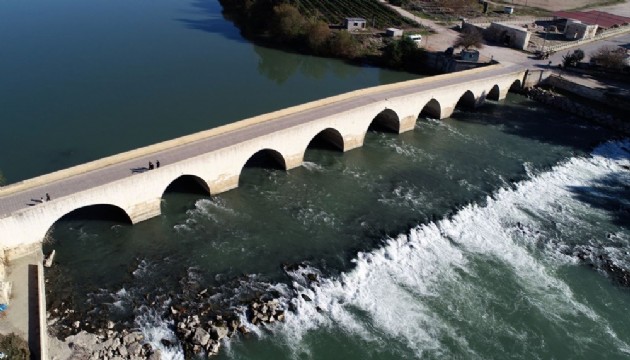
544, 41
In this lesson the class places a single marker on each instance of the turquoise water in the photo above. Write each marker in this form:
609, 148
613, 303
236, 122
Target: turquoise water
459, 239
491, 234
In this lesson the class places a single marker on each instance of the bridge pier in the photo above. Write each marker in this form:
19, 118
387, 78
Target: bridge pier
293, 161
407, 124
145, 210
503, 93
447, 112
223, 183
353, 142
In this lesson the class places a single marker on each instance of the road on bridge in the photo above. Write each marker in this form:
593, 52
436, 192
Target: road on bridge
12, 200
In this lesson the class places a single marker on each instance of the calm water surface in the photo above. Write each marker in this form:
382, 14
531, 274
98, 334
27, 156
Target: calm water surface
460, 239
80, 80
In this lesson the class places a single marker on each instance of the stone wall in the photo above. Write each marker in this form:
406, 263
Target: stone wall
575, 107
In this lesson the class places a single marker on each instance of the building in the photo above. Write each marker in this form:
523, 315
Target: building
469, 55
576, 30
393, 32
354, 23
510, 35
602, 19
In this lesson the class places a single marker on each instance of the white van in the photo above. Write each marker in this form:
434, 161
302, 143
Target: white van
416, 38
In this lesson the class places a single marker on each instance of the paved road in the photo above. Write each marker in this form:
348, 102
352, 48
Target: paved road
67, 186
445, 36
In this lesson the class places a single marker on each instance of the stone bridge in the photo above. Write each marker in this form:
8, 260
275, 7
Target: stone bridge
215, 158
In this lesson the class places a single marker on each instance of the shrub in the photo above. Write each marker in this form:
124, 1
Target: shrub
14, 347
609, 57
403, 54
344, 45
573, 59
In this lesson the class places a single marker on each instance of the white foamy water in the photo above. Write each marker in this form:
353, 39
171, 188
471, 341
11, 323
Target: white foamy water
155, 330
397, 291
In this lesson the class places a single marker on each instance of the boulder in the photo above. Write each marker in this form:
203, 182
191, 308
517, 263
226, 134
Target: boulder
48, 261
134, 349
219, 332
213, 348
156, 355
166, 342
123, 351
201, 337
129, 338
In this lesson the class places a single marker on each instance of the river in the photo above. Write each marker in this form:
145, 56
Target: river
489, 234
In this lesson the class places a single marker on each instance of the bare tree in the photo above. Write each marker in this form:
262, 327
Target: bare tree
469, 37
609, 57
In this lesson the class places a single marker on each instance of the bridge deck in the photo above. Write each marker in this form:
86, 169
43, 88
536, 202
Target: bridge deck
18, 196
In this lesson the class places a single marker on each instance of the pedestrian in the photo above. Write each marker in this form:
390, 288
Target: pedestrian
47, 197
157, 163
41, 199
150, 165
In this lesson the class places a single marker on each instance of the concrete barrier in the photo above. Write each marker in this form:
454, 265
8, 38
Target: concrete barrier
43, 324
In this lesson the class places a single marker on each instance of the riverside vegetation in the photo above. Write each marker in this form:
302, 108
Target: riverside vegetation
13, 347
304, 27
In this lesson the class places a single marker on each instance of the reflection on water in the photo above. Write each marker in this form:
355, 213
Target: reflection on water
280, 66
73, 80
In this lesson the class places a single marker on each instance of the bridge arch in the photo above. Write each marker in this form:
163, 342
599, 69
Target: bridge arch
467, 100
432, 109
266, 158
516, 85
103, 212
188, 184
495, 93
386, 121
328, 138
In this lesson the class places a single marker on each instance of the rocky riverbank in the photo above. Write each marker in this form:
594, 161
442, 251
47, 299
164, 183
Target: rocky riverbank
201, 319
578, 108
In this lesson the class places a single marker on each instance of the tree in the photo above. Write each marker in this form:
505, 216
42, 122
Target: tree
3, 180
317, 35
288, 24
403, 54
469, 37
344, 45
573, 59
609, 57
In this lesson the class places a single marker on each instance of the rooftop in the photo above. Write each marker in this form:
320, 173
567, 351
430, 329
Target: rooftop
592, 17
